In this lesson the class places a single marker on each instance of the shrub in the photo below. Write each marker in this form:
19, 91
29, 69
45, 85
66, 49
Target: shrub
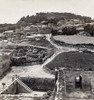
69, 31
89, 29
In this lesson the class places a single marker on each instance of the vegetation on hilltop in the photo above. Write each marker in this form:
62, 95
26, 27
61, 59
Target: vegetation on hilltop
56, 19
6, 27
51, 18
65, 31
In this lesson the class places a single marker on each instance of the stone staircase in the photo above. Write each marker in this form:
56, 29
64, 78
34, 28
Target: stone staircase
24, 85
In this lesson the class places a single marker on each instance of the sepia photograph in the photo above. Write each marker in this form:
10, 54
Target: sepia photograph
46, 49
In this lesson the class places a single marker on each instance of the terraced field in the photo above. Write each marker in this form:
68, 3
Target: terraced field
75, 39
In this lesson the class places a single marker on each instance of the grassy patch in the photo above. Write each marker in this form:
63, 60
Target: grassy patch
73, 60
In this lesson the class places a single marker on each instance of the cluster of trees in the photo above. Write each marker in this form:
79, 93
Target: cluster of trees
48, 18
69, 31
31, 19
65, 31
51, 18
72, 30
6, 27
89, 29
65, 15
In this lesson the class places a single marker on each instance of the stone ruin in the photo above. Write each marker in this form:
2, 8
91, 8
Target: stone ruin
75, 85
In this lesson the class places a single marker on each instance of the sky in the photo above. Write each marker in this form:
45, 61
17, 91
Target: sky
12, 10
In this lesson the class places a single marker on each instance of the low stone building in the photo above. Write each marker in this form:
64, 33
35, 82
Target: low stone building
75, 85
28, 89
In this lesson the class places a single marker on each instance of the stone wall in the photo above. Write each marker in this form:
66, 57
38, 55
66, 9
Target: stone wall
18, 97
4, 63
52, 97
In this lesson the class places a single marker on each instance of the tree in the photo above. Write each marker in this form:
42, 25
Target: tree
69, 31
54, 32
89, 29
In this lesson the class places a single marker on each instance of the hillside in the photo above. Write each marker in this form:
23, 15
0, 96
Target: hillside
60, 23
56, 23
52, 17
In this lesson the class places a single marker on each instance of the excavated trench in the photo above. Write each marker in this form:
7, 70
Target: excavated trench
29, 55
39, 84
